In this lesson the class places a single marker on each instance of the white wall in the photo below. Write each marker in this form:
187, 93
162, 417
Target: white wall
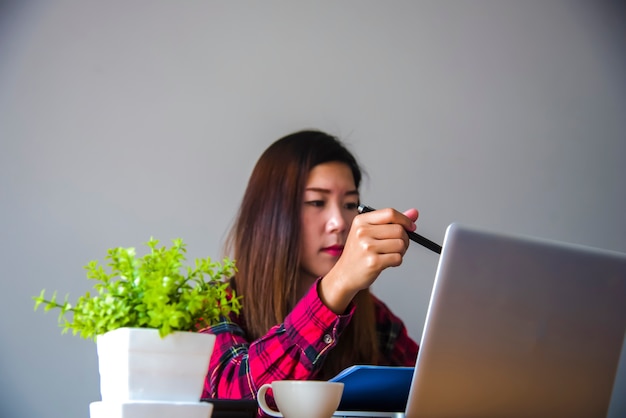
122, 120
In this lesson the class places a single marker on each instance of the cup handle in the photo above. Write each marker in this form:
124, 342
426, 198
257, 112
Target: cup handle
261, 400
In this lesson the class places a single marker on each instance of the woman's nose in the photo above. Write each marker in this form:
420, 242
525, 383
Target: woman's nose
337, 221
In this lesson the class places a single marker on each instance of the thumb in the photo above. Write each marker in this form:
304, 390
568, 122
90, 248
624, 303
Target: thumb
412, 214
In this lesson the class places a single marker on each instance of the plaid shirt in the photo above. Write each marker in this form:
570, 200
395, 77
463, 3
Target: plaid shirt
295, 349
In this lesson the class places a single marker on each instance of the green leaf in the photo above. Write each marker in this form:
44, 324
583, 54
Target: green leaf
155, 290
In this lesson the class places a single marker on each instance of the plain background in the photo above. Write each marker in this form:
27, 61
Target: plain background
121, 120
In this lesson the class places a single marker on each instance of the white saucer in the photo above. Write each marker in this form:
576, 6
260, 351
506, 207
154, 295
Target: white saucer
149, 409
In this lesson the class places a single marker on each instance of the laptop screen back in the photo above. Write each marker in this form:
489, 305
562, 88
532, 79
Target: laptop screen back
520, 326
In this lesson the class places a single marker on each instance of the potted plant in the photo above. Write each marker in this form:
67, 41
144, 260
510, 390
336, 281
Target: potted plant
144, 314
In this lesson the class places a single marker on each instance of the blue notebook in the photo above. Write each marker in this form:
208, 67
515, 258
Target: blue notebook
375, 388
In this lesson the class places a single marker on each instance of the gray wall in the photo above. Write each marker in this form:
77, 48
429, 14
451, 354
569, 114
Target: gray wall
122, 120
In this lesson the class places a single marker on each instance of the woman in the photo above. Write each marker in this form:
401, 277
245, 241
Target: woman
305, 263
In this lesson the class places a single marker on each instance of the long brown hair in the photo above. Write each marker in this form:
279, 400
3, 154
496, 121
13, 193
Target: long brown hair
265, 242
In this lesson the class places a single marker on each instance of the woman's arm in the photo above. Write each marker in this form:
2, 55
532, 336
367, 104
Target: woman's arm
295, 349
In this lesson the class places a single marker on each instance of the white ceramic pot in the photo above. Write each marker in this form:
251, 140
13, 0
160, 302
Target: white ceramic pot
150, 409
136, 364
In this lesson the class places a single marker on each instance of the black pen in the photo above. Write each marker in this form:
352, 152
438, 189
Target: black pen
412, 235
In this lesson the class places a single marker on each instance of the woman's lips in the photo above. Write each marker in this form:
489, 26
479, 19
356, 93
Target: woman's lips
334, 250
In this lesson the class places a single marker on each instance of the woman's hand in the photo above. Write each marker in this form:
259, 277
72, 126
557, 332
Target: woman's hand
376, 240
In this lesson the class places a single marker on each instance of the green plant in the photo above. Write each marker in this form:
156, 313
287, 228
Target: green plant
153, 291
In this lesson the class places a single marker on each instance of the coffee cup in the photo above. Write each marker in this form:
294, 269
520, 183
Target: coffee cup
302, 398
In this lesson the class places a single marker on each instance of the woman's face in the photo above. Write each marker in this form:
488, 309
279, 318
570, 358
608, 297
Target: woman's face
329, 206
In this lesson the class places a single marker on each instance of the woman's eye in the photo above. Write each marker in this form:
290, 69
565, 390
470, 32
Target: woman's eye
352, 206
315, 203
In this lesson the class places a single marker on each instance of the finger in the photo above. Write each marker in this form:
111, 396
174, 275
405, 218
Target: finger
390, 216
387, 231
382, 261
391, 260
386, 246
381, 232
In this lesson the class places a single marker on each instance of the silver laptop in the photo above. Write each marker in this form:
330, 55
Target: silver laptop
519, 327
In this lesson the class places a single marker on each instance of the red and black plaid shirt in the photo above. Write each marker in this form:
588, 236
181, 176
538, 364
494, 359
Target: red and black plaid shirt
295, 349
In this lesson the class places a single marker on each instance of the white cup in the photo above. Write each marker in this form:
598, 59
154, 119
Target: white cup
302, 398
